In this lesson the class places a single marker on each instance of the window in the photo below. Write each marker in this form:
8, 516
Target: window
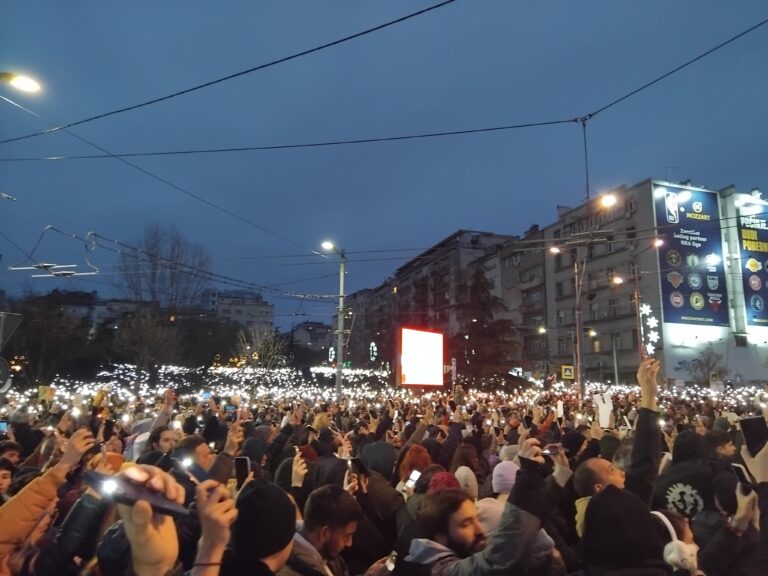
596, 345
612, 307
561, 317
594, 311
559, 290
562, 345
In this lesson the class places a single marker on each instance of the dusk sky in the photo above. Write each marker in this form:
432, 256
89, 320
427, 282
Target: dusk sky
470, 64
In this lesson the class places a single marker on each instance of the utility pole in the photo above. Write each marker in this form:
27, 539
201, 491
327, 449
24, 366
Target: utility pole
340, 330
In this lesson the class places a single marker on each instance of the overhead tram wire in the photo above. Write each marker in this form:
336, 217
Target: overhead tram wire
582, 120
236, 74
188, 269
322, 144
677, 69
167, 182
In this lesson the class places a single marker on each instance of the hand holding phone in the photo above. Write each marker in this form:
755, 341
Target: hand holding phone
242, 470
412, 479
143, 491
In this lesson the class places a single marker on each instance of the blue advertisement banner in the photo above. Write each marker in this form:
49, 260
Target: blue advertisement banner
693, 289
753, 243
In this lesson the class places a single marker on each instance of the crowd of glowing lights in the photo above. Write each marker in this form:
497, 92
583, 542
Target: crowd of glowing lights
127, 393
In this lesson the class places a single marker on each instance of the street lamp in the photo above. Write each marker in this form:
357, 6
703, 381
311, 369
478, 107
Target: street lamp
330, 247
20, 82
608, 200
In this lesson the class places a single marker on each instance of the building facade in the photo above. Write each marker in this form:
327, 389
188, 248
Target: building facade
241, 307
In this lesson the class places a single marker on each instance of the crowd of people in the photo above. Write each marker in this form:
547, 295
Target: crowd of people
289, 480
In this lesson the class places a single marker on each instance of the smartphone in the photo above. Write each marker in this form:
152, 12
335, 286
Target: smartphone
552, 449
359, 467
205, 396
489, 422
3, 426
230, 408
412, 479
242, 469
755, 432
122, 491
741, 474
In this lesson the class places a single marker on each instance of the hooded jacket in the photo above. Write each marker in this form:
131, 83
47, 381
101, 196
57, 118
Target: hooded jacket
507, 552
509, 549
305, 560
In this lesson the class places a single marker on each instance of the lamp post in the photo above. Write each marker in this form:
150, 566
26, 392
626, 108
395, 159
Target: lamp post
20, 82
581, 242
329, 246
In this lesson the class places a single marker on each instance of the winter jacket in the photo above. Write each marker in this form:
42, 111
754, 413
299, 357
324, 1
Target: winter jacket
21, 514
305, 560
728, 554
686, 487
506, 554
77, 536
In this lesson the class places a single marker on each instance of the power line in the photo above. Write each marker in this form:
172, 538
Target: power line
236, 74
677, 69
583, 120
91, 242
163, 180
322, 144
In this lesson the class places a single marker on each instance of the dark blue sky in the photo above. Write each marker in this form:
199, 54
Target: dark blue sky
470, 64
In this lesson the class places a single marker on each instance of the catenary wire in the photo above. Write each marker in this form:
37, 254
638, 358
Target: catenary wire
236, 74
167, 182
583, 120
328, 143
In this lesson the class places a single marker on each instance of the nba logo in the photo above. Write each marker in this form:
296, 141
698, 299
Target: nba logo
673, 215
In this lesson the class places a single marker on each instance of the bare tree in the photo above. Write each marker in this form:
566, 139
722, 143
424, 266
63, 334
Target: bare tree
148, 341
701, 369
168, 270
261, 347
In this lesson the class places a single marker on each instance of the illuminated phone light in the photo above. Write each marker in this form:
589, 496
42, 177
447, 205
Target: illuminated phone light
186, 463
109, 486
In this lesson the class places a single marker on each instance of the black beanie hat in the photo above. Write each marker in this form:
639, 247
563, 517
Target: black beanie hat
266, 521
619, 531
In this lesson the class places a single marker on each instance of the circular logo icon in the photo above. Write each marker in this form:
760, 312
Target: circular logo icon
757, 303
673, 258
675, 278
692, 260
697, 301
694, 281
753, 265
676, 299
755, 283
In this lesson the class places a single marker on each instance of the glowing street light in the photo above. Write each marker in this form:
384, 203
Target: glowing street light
617, 280
659, 242
554, 250
328, 247
608, 200
542, 330
20, 82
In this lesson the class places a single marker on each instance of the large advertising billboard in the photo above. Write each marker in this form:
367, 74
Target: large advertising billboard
753, 243
421, 358
693, 289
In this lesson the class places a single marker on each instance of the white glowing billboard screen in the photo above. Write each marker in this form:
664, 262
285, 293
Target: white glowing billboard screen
421, 358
